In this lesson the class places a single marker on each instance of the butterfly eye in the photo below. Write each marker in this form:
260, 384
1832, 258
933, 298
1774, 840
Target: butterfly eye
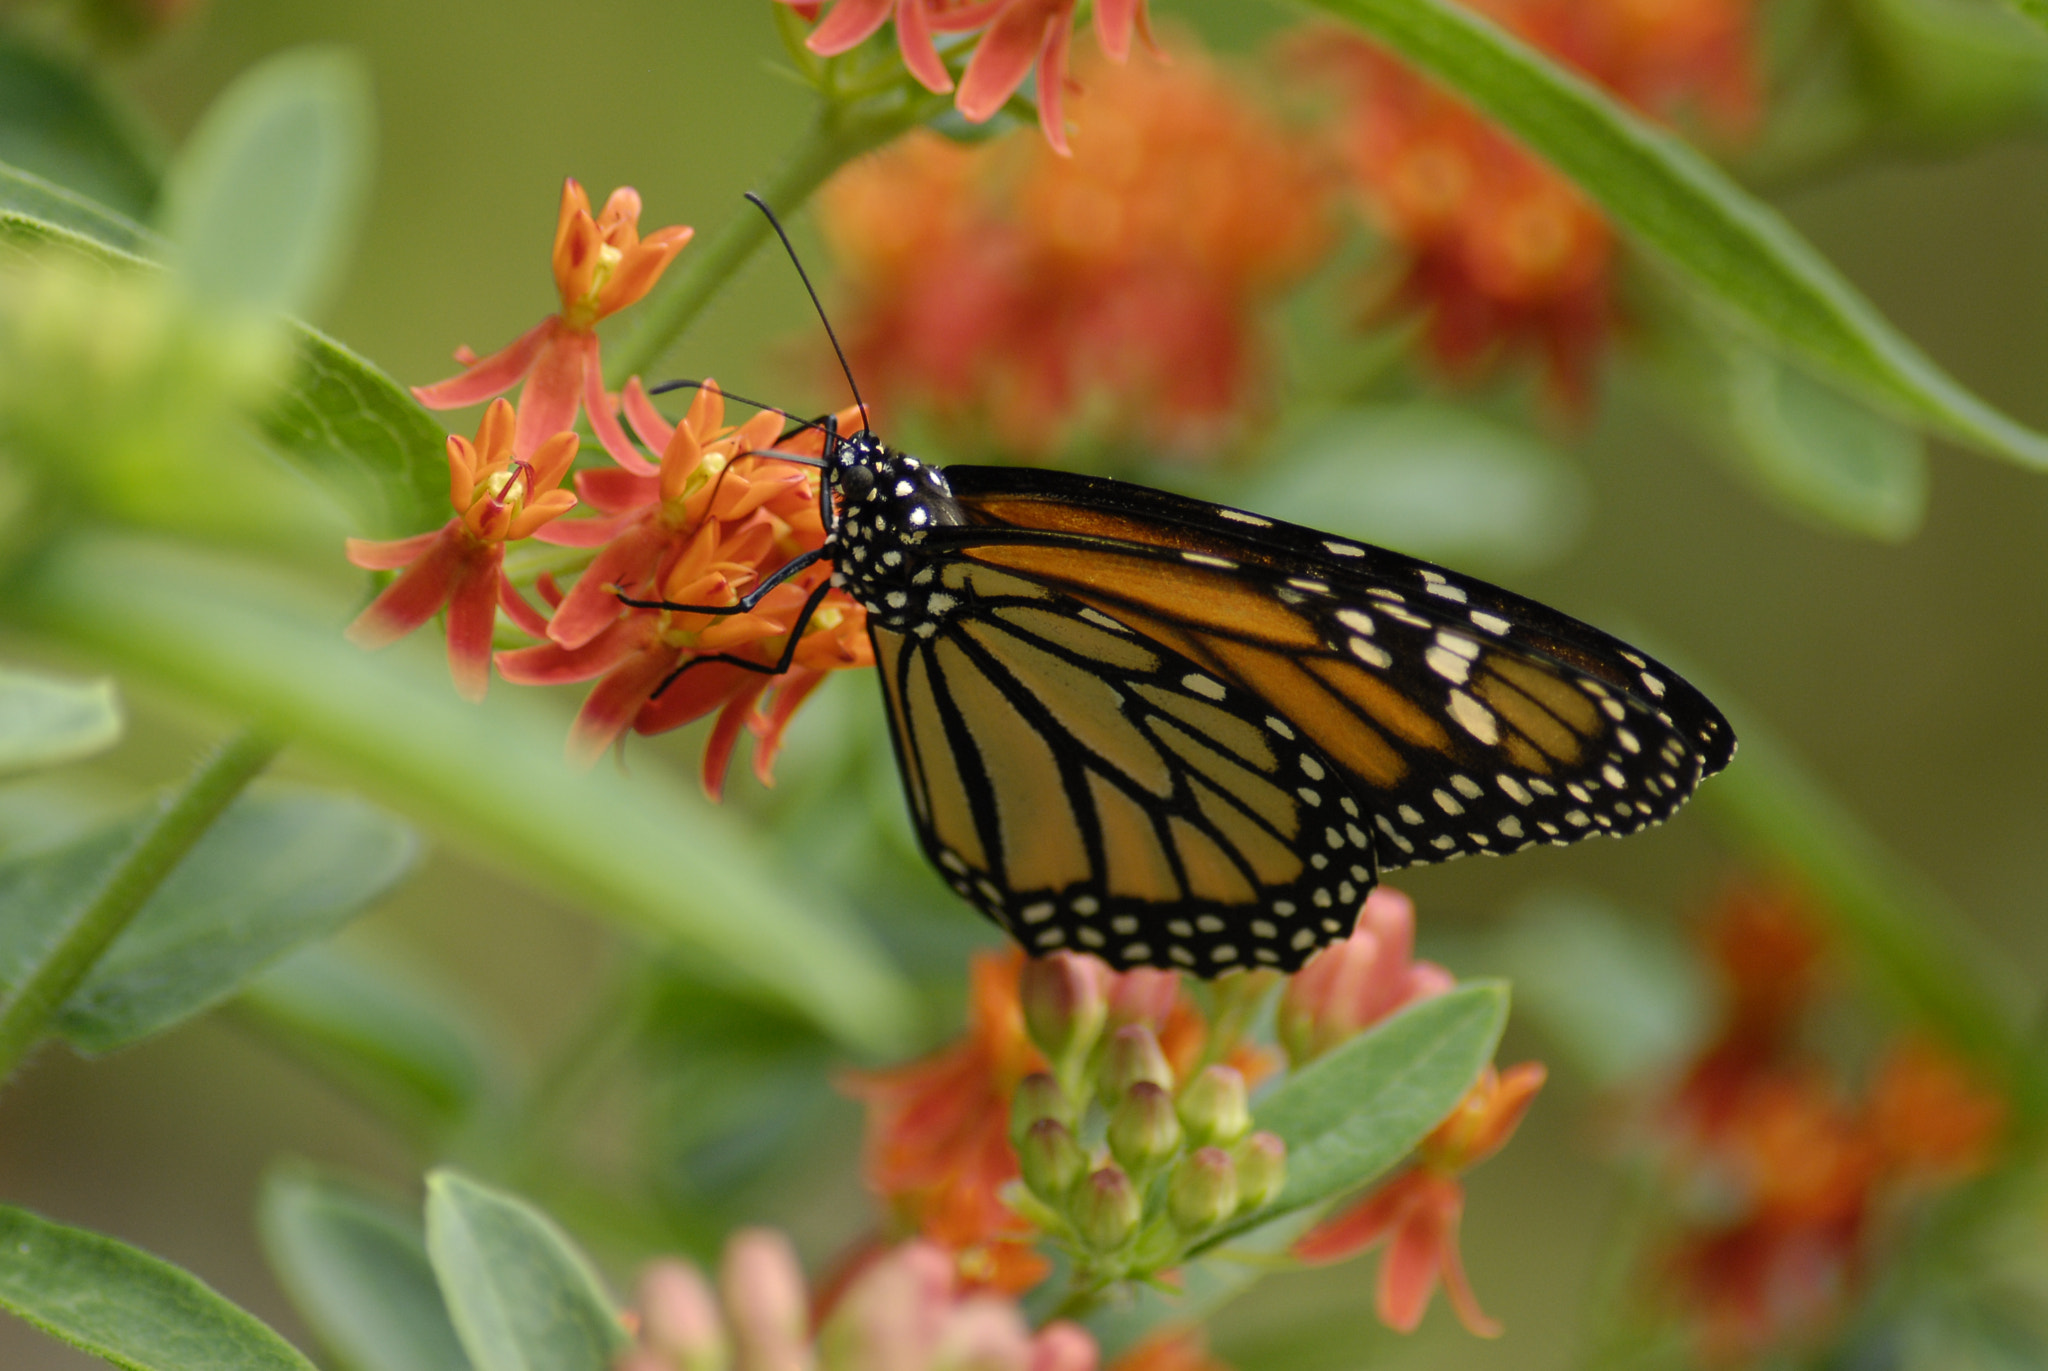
855, 482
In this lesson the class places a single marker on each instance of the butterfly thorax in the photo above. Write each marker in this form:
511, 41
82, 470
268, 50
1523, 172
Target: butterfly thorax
887, 502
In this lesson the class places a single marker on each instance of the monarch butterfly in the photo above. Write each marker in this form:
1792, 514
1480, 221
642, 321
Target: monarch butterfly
1176, 734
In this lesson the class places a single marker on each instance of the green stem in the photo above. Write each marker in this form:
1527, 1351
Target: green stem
840, 133
182, 818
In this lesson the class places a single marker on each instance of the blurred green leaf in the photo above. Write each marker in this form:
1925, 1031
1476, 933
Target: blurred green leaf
522, 1296
384, 1032
1955, 68
30, 196
1431, 480
1738, 251
349, 427
279, 869
1356, 1110
1650, 1006
276, 871
2035, 11
60, 124
1822, 454
263, 201
634, 846
124, 1305
45, 721
366, 441
356, 1267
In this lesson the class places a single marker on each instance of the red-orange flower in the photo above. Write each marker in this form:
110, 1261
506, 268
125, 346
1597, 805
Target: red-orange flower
1032, 299
703, 528
1931, 1117
1418, 1211
938, 1134
1503, 253
497, 497
601, 265
1172, 1348
1020, 34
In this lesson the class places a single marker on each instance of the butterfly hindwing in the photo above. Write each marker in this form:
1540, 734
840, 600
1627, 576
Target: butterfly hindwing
1090, 788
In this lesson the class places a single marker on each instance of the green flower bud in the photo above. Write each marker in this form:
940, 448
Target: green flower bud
1050, 1159
1134, 1055
1106, 1209
1064, 1005
1214, 1109
1039, 1097
1261, 1170
1143, 1131
1202, 1191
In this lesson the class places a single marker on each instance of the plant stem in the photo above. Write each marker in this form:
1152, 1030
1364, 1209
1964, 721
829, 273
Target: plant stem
840, 133
182, 818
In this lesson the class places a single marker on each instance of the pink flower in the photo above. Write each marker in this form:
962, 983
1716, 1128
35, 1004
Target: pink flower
498, 497
1350, 986
601, 265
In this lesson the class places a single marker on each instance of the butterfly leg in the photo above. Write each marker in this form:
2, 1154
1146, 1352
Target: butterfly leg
796, 633
747, 601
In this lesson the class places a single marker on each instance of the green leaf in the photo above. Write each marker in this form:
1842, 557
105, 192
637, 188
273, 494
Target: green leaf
63, 126
24, 194
263, 201
279, 869
1822, 454
1740, 253
47, 722
1958, 69
124, 1305
1432, 480
635, 846
382, 1031
1353, 1112
356, 1267
522, 1296
1651, 1006
362, 437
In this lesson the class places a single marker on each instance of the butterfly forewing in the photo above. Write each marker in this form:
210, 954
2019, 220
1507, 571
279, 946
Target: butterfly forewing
1091, 788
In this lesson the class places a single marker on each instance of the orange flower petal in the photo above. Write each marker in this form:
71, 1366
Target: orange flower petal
494, 375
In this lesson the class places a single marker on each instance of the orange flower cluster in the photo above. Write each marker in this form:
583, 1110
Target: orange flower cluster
1018, 35
1797, 1168
1504, 254
1114, 295
703, 526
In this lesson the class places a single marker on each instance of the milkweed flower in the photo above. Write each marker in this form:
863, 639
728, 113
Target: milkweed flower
704, 527
601, 265
1118, 295
1018, 35
1417, 1213
904, 1311
1503, 254
1353, 984
498, 497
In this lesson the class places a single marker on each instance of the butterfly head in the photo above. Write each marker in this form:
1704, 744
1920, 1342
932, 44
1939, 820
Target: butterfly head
887, 502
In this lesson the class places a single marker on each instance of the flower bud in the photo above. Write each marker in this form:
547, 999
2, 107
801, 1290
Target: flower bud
679, 1317
1144, 1132
1134, 1055
1214, 1108
1106, 1209
1050, 1159
1039, 1097
1202, 1191
1064, 1004
1261, 1170
762, 1288
1143, 995
1064, 1346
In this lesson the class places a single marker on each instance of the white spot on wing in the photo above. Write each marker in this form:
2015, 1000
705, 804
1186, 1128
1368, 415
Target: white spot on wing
1203, 686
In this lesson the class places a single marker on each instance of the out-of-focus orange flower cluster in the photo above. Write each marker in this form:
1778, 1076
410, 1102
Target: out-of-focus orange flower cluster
1790, 1172
1503, 253
1116, 294
703, 526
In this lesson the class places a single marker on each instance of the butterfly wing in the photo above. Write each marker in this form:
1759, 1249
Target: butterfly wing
1462, 717
1089, 789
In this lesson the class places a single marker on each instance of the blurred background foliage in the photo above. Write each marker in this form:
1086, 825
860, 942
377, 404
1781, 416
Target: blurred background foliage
547, 986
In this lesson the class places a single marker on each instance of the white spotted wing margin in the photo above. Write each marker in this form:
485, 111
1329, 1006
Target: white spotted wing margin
1466, 718
1090, 790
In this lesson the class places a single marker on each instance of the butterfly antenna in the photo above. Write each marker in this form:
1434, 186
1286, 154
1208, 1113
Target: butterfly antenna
816, 304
